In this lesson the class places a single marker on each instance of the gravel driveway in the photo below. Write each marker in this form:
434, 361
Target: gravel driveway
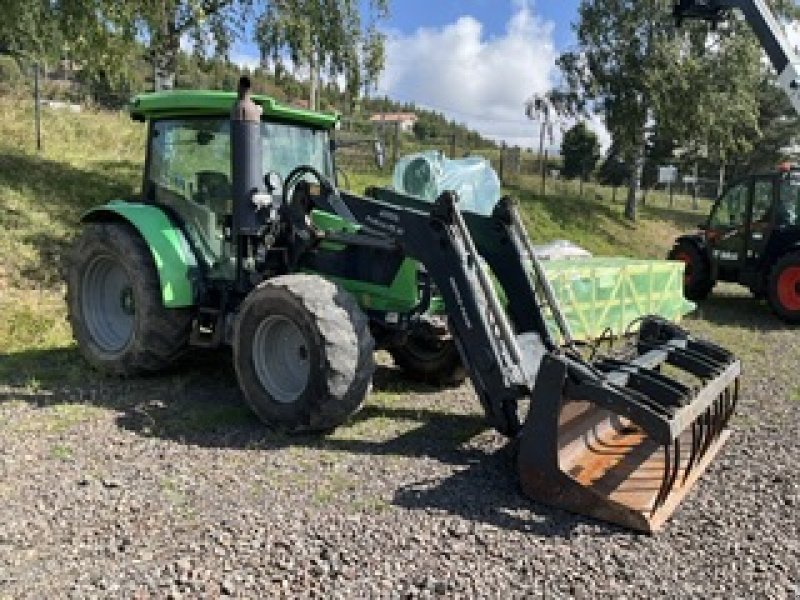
170, 488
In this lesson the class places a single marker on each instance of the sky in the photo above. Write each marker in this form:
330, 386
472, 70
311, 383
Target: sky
477, 61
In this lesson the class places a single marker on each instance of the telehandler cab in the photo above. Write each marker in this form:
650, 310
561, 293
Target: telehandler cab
242, 238
751, 237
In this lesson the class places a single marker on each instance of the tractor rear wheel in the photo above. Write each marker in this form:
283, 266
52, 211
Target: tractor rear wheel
430, 356
303, 353
114, 303
784, 287
697, 282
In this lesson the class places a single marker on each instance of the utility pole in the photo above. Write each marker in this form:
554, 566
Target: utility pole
396, 149
37, 107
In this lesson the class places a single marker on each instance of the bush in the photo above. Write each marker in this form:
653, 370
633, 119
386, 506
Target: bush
10, 74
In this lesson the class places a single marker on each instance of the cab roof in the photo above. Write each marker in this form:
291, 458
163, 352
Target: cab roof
195, 103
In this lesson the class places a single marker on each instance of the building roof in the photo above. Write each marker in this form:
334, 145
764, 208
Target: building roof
190, 103
393, 117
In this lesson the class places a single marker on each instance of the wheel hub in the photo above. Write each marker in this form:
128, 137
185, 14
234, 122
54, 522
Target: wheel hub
126, 301
281, 358
107, 304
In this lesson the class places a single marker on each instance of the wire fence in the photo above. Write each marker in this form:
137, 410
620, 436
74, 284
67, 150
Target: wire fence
356, 150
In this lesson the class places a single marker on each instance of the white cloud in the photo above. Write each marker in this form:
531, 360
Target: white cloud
473, 78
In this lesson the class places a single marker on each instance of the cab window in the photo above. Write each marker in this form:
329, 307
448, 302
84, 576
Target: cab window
762, 201
729, 213
788, 213
190, 173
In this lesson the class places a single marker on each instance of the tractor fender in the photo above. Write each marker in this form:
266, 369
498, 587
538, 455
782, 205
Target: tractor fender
176, 263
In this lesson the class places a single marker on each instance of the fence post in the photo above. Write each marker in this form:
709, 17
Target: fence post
544, 173
37, 107
502, 156
396, 149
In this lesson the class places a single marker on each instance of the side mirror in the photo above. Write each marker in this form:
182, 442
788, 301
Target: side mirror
274, 183
380, 154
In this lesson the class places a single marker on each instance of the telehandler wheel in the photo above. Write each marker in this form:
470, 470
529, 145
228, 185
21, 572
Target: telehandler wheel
114, 303
430, 358
784, 287
303, 353
697, 282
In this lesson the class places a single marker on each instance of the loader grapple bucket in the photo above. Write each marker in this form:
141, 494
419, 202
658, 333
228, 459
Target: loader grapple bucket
623, 441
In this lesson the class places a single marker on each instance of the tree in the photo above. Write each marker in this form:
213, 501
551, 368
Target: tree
779, 124
106, 36
632, 67
211, 25
324, 35
580, 150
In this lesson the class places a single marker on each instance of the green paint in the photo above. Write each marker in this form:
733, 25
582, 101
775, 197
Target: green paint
403, 293
331, 222
186, 103
401, 296
173, 257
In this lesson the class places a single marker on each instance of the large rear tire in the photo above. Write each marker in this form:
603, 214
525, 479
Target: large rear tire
114, 303
784, 288
303, 353
697, 282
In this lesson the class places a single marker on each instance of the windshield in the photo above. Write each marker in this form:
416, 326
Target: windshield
184, 151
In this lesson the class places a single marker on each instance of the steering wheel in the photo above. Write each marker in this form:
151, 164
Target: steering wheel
294, 177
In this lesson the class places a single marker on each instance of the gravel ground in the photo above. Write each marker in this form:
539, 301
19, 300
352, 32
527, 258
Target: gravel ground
170, 488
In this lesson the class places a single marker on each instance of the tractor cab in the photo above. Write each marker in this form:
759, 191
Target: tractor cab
750, 231
188, 164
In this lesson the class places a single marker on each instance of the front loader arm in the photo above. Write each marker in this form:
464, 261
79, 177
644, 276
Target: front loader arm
437, 237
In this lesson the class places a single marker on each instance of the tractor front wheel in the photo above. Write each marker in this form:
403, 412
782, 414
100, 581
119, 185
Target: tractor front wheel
303, 353
784, 288
114, 303
697, 282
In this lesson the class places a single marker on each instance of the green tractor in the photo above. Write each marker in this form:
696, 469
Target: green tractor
242, 239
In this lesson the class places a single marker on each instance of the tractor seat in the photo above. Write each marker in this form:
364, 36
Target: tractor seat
214, 191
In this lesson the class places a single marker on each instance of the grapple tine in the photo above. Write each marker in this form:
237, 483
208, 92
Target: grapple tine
663, 491
693, 452
672, 466
676, 467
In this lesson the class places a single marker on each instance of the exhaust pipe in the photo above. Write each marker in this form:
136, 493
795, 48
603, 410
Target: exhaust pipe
247, 163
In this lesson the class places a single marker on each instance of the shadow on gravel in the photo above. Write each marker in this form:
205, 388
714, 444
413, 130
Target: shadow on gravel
736, 307
201, 405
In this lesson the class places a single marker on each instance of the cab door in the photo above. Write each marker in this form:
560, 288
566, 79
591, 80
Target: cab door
727, 229
761, 222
